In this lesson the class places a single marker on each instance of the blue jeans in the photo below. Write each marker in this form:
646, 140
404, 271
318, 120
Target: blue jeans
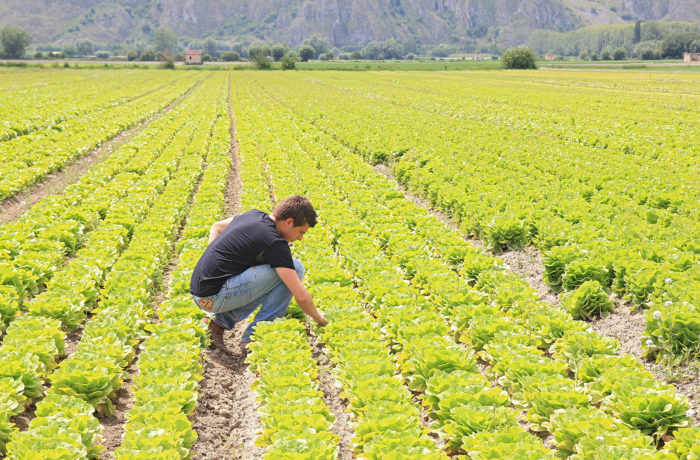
258, 286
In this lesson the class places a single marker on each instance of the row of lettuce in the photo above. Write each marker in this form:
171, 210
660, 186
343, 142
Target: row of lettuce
169, 366
442, 307
620, 212
29, 158
65, 95
118, 269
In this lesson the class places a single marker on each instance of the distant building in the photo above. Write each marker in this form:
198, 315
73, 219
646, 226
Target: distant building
550, 57
193, 56
687, 57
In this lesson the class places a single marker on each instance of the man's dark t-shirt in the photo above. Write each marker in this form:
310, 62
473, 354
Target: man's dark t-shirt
249, 239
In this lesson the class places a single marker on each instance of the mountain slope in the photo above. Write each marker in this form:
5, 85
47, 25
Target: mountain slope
342, 22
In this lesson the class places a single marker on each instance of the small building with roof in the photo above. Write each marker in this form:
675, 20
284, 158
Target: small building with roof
193, 56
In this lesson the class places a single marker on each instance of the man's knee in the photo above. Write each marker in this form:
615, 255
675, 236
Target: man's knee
299, 268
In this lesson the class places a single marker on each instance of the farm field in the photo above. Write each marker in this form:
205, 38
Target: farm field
435, 347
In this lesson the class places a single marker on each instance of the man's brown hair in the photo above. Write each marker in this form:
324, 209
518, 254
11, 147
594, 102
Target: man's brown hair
297, 207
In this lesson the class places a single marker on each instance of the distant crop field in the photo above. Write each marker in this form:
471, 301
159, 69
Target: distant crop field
509, 262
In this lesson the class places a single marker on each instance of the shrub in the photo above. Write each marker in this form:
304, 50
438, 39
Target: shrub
355, 55
619, 54
131, 56
102, 54
169, 64
261, 61
289, 61
519, 58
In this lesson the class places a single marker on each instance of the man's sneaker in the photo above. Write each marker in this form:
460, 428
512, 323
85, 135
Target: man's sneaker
217, 337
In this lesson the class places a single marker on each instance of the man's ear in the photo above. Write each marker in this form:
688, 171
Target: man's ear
289, 221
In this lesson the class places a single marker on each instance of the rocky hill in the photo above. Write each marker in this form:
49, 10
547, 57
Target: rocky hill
342, 22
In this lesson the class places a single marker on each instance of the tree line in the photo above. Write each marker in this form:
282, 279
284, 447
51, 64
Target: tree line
645, 40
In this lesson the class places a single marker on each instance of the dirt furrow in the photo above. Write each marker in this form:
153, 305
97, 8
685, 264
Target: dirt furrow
343, 426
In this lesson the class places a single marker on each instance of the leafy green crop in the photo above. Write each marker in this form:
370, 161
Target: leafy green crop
588, 301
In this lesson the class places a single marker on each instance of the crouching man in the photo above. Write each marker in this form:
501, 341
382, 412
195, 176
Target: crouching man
248, 264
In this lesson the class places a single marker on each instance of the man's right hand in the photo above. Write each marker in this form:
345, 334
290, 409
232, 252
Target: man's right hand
322, 320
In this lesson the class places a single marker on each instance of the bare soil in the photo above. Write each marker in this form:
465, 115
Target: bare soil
227, 420
623, 324
114, 425
343, 426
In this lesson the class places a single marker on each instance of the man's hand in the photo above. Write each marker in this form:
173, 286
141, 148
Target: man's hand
301, 295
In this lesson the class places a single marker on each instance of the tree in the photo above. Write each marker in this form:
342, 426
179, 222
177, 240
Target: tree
674, 45
442, 50
14, 41
519, 58
230, 56
211, 47
306, 52
258, 49
695, 46
84, 47
289, 61
356, 55
637, 31
261, 61
131, 56
410, 46
165, 42
319, 44
147, 55
278, 52
70, 50
619, 54
389, 49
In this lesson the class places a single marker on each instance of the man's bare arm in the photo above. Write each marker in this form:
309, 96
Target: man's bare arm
218, 227
301, 295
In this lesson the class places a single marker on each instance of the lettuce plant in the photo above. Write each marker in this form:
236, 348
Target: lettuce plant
555, 262
581, 270
503, 233
652, 408
508, 442
686, 443
588, 301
